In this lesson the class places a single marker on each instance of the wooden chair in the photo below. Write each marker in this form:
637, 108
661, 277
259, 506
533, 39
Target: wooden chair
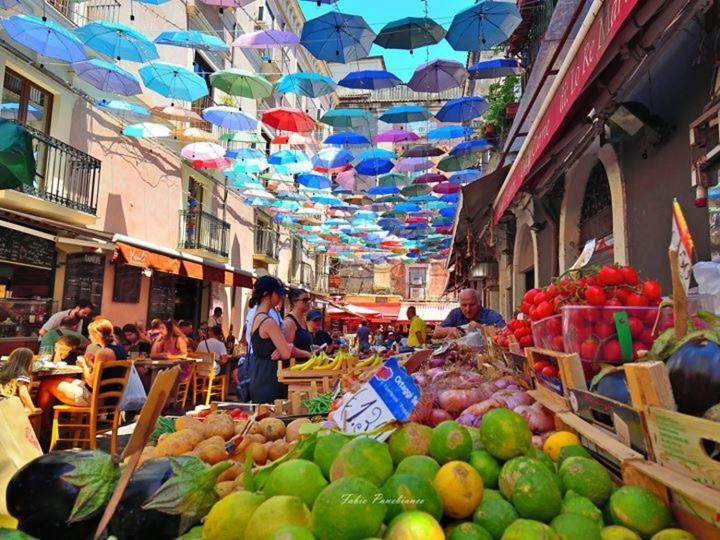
79, 424
206, 382
183, 388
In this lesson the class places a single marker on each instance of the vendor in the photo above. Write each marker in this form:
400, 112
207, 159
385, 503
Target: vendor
320, 336
470, 312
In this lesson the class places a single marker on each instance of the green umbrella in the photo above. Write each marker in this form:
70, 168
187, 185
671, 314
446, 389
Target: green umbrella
17, 162
393, 180
241, 82
415, 190
391, 199
456, 163
249, 137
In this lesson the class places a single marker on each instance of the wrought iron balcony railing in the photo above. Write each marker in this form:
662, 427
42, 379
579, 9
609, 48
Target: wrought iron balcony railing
81, 13
267, 242
203, 231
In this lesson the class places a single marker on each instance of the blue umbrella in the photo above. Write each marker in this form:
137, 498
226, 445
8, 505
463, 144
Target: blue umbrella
388, 223
465, 176
374, 166
448, 212
403, 114
229, 118
346, 118
346, 137
291, 196
450, 198
192, 39
118, 41
336, 37
369, 80
44, 37
122, 107
325, 199
285, 205
314, 181
376, 153
449, 132
284, 157
245, 153
495, 68
340, 190
312, 85
483, 26
172, 81
470, 147
421, 199
107, 77
462, 109
332, 158
383, 190
442, 222
407, 207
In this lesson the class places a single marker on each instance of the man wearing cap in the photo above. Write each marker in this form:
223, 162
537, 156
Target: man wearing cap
320, 336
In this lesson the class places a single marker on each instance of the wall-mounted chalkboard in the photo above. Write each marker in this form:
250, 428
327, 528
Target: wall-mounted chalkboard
84, 274
18, 247
162, 296
126, 285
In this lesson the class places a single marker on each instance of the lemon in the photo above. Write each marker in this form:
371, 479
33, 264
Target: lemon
229, 516
460, 488
557, 441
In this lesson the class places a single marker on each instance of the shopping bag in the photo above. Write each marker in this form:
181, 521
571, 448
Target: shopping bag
134, 396
18, 444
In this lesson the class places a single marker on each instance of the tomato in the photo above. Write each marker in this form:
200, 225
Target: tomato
525, 307
540, 365
636, 326
588, 349
554, 326
611, 351
520, 332
610, 276
629, 275
542, 310
558, 343
552, 290
637, 300
595, 296
558, 303
550, 371
530, 295
652, 290
604, 329
503, 342
532, 313
591, 280
540, 298
647, 338
621, 293
526, 341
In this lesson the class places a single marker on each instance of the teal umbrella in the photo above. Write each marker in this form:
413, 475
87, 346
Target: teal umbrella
17, 162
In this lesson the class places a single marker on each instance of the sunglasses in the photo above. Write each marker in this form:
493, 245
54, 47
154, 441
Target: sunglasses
306, 300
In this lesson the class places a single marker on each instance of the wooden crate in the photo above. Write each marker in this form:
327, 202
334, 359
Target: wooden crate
553, 393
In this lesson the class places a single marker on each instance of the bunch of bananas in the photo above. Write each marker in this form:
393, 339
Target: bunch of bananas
319, 361
371, 361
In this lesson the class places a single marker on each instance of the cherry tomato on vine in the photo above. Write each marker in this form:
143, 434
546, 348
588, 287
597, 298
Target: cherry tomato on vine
637, 300
652, 290
621, 293
540, 298
611, 351
610, 276
636, 326
530, 295
588, 349
595, 296
542, 310
629, 275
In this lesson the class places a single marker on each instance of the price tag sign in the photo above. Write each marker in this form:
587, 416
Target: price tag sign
682, 242
586, 255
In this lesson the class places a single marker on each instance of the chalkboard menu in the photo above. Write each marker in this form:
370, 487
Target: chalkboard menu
162, 296
126, 287
84, 275
18, 247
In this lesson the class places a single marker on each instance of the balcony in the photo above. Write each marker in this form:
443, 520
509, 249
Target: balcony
267, 245
203, 233
81, 13
302, 274
66, 185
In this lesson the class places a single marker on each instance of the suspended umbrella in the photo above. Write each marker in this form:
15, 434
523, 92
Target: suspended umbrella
415, 190
470, 147
404, 114
376, 153
383, 190
339, 190
45, 37
241, 82
9, 4
396, 135
280, 139
191, 39
369, 79
414, 165
173, 112
202, 150
346, 137
312, 85
266, 39
448, 212
451, 198
229, 118
456, 163
325, 199
393, 179
423, 150
332, 158
407, 207
258, 194
429, 178
146, 130
287, 119
298, 139
331, 170
247, 137
247, 166
483, 25
285, 205
293, 168
216, 163
226, 3
173, 81
284, 157
438, 75
291, 196
118, 41
314, 181
245, 181
245, 153
447, 187
465, 176
390, 199
346, 118
348, 179
410, 33
336, 37
462, 109
388, 224
107, 77
336, 222
121, 107
374, 166
494, 68
194, 134
449, 132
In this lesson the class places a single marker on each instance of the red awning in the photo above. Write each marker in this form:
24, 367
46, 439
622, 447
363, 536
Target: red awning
574, 77
143, 258
383, 310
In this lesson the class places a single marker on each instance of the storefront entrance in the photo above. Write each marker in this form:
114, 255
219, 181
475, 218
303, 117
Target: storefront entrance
174, 297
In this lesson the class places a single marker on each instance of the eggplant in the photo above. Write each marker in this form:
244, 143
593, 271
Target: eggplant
613, 385
694, 372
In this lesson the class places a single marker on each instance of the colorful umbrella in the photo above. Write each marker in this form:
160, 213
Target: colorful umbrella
336, 37
451, 198
447, 187
216, 163
470, 147
266, 39
312, 85
118, 41
423, 150
285, 205
17, 156
194, 134
376, 153
449, 132
438, 75
44, 37
465, 176
247, 137
314, 181
410, 33
191, 39
383, 190
462, 109
414, 165
448, 211
241, 82
258, 194
332, 158
483, 26
285, 157
229, 118
456, 163
122, 107
346, 118
287, 119
374, 166
325, 199
494, 68
403, 114
415, 190
396, 135
393, 179
346, 137
173, 81
202, 151
146, 130
369, 80
406, 207
173, 112
245, 154
247, 166
107, 77
429, 178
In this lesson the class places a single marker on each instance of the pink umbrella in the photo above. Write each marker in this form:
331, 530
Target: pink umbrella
446, 188
202, 151
429, 178
217, 163
347, 179
414, 165
297, 139
266, 39
396, 135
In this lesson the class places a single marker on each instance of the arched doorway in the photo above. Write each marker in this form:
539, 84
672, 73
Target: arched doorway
596, 215
523, 262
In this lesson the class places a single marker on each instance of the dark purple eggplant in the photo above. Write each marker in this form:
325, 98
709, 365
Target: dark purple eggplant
613, 385
694, 372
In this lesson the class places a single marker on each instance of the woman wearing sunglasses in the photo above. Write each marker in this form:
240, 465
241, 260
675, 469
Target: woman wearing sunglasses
295, 324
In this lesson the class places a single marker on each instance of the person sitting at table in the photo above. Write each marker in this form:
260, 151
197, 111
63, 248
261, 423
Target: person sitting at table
67, 327
102, 335
470, 312
67, 349
214, 344
295, 324
133, 340
154, 331
171, 344
15, 377
186, 327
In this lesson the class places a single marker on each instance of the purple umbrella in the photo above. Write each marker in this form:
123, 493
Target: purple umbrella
265, 39
438, 75
446, 188
107, 77
430, 178
396, 135
414, 165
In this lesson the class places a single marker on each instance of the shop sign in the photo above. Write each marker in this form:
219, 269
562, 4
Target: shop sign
681, 241
603, 30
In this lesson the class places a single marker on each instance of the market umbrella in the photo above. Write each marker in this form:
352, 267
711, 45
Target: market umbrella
247, 166
494, 68
202, 151
173, 112
393, 179
456, 163
438, 75
245, 154
423, 150
285, 205
287, 119
406, 207
396, 135
462, 109
470, 147
247, 137
146, 130
173, 81
17, 158
336, 37
229, 118
191, 39
429, 178
376, 153
332, 158
414, 164
346, 118
122, 107
107, 77
193, 134
383, 190
483, 25
118, 41
241, 82
465, 176
44, 37
449, 132
266, 39
284, 157
216, 163
314, 181
410, 33
346, 137
403, 114
415, 190
374, 166
369, 79
312, 85
447, 187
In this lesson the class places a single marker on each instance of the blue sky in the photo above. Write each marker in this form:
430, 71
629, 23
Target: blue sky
377, 13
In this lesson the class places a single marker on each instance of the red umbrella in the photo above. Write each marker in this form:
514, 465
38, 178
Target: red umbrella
446, 188
280, 139
288, 119
444, 230
333, 170
430, 178
217, 163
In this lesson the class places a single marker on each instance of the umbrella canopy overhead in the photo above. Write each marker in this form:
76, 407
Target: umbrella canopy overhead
456, 163
462, 109
45, 37
107, 77
374, 166
229, 118
438, 75
312, 85
241, 82
415, 190
173, 81
332, 158
396, 135
449, 132
247, 137
346, 118
173, 112
429, 178
414, 164
284, 157
336, 37
194, 134
146, 130
494, 68
483, 26
118, 41
410, 33
121, 107
423, 150
465, 176
314, 181
266, 39
17, 159
404, 114
202, 151
393, 179
346, 137
470, 147
287, 119
376, 153
191, 39
369, 80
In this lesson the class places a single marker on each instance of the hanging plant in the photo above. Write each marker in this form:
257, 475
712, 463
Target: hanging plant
500, 95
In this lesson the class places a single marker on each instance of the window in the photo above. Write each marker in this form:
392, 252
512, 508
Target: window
126, 286
596, 215
203, 68
25, 102
194, 206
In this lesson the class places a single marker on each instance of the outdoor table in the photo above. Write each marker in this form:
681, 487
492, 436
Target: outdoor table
156, 365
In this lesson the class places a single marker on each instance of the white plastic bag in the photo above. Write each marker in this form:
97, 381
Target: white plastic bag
707, 275
134, 396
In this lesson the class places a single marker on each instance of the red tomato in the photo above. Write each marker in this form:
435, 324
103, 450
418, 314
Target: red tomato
552, 290
554, 326
550, 371
503, 342
647, 338
636, 326
595, 296
637, 300
540, 298
629, 275
520, 332
588, 349
591, 280
621, 293
544, 309
652, 290
558, 343
530, 295
610, 276
604, 329
532, 312
525, 307
540, 365
526, 341
611, 351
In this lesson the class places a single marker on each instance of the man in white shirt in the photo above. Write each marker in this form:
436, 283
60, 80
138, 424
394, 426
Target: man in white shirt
82, 309
216, 318
214, 344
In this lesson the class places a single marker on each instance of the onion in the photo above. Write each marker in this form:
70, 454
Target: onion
512, 398
539, 420
455, 401
437, 416
469, 420
437, 361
